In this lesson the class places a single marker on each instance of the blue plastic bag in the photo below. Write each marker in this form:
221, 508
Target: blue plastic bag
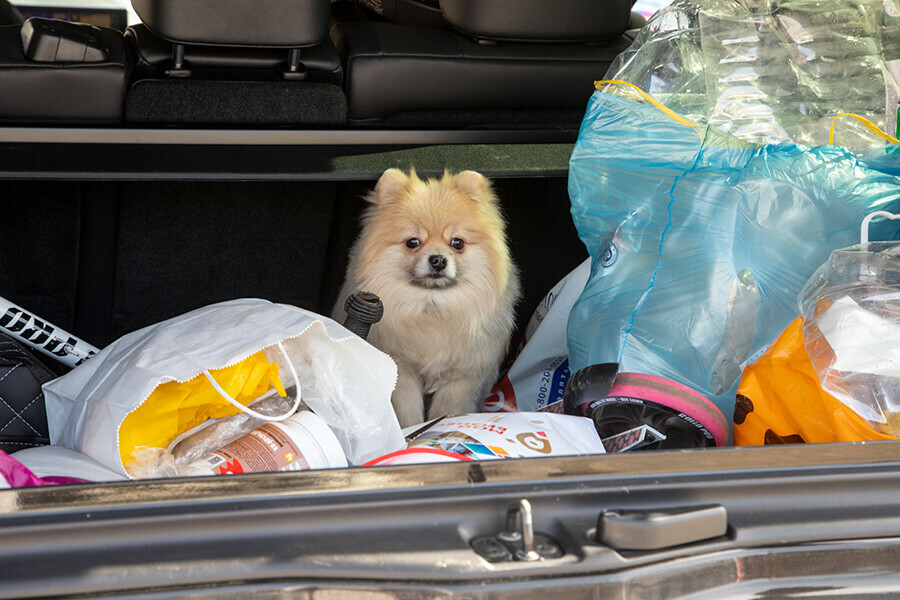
700, 243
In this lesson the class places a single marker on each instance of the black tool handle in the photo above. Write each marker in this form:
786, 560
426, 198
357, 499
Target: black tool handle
363, 310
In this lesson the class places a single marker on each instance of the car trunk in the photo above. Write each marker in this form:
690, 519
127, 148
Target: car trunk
107, 229
119, 255
102, 256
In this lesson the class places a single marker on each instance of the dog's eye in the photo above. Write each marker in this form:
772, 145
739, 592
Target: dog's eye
413, 243
457, 244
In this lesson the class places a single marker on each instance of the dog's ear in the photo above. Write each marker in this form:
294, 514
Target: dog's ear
473, 184
389, 186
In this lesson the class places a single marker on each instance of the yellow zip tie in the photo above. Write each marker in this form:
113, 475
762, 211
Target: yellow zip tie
872, 126
662, 107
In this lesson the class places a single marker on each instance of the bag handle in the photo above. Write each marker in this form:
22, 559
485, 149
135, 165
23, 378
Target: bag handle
659, 105
250, 411
869, 124
688, 123
864, 228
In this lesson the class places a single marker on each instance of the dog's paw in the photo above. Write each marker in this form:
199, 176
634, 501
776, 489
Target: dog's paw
407, 398
455, 397
409, 413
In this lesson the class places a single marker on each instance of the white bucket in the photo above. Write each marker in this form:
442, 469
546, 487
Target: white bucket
299, 443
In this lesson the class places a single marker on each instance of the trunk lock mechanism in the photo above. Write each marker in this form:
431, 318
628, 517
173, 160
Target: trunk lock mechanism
518, 541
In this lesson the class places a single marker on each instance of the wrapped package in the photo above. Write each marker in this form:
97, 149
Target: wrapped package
851, 313
834, 374
781, 401
771, 72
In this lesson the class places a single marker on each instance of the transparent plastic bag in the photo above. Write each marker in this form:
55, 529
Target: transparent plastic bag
851, 312
770, 71
666, 60
149, 462
700, 243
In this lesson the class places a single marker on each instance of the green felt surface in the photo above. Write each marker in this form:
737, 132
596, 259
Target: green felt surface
493, 160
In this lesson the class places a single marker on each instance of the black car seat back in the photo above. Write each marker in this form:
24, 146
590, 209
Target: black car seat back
556, 21
503, 62
57, 72
426, 13
233, 62
9, 14
516, 20
269, 23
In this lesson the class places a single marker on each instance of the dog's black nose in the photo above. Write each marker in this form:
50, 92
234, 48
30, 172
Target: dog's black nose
438, 262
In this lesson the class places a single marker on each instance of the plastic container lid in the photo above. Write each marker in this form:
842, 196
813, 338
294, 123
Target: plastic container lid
313, 433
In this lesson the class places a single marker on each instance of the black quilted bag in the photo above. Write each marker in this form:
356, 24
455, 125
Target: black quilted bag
23, 415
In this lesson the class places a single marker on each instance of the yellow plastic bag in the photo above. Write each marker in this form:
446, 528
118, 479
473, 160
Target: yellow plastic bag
780, 401
175, 407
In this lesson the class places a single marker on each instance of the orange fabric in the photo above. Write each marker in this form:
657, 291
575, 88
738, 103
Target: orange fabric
780, 400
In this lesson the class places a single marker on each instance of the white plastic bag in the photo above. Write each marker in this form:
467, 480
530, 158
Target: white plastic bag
55, 461
343, 379
540, 371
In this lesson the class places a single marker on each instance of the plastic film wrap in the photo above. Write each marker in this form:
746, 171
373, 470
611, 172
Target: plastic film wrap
851, 312
771, 72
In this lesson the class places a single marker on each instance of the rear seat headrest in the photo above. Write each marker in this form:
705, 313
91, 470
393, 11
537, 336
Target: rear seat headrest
268, 23
9, 15
539, 20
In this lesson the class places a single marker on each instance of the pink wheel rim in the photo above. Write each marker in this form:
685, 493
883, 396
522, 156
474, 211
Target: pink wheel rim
675, 396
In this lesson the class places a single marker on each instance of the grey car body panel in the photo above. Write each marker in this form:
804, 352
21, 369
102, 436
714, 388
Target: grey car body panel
799, 511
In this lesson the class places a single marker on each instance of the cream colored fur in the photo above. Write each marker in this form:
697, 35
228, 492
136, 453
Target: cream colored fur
447, 331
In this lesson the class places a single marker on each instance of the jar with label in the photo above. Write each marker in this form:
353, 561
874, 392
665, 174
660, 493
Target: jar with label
299, 443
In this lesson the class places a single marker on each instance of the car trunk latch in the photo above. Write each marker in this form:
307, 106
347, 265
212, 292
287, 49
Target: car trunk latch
517, 542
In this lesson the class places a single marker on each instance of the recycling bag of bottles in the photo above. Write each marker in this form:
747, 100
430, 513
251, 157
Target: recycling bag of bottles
700, 242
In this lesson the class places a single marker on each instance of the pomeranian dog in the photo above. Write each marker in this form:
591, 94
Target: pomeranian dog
435, 252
